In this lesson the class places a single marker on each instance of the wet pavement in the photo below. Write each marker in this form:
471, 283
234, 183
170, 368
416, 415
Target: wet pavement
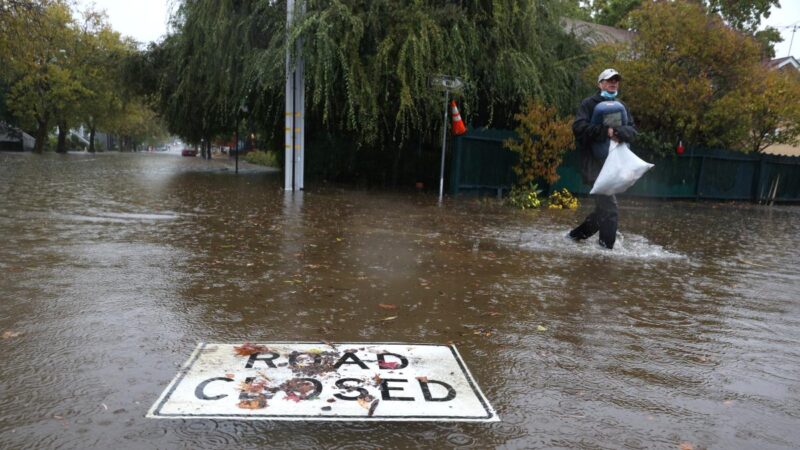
113, 267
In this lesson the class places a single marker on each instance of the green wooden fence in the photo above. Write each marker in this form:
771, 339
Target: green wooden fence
481, 165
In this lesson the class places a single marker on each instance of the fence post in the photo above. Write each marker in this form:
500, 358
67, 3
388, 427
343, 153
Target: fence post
758, 182
697, 191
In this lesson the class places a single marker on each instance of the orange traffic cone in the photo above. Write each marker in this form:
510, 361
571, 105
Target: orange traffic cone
458, 124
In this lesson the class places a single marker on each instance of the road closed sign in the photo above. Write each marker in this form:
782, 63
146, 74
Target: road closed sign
324, 381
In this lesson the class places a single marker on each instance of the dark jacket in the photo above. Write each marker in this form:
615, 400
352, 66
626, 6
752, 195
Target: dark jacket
586, 134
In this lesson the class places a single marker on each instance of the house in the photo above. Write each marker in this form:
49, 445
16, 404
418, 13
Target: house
14, 139
783, 64
594, 33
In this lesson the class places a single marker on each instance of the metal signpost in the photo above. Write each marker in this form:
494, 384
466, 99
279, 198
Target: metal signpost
304, 381
448, 84
295, 107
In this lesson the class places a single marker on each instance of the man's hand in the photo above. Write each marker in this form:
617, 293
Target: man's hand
612, 136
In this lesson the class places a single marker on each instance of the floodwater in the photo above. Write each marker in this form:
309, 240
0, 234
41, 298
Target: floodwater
114, 267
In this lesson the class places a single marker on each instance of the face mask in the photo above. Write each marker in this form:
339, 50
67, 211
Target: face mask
609, 95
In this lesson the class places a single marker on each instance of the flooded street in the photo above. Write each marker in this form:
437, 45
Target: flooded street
115, 266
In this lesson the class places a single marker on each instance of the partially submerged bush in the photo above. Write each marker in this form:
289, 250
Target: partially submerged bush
268, 158
525, 196
562, 199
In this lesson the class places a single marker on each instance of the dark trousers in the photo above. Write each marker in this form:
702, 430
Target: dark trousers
603, 219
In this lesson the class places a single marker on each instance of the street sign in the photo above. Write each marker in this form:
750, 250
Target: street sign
324, 382
446, 83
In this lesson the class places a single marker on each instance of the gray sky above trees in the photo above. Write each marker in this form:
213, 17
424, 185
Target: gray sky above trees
143, 20
788, 15
146, 20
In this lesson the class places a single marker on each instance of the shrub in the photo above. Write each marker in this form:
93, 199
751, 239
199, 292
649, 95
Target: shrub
268, 158
544, 137
562, 199
525, 197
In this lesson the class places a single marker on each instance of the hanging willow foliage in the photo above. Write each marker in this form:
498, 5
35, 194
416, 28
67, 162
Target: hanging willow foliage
368, 64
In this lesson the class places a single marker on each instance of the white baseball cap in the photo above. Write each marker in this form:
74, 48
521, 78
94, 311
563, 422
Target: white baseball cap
608, 73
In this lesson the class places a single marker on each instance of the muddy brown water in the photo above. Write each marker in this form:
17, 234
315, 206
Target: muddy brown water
113, 267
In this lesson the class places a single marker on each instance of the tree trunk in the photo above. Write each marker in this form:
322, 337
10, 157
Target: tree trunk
41, 135
62, 137
92, 131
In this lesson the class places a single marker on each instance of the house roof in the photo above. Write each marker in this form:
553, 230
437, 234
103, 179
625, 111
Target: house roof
594, 33
9, 133
782, 63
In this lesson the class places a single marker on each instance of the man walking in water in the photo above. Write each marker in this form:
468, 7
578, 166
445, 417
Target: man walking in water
601, 119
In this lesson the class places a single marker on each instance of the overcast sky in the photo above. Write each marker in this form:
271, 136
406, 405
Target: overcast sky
143, 20
788, 15
146, 20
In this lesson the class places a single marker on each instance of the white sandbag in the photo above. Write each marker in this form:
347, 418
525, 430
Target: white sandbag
620, 170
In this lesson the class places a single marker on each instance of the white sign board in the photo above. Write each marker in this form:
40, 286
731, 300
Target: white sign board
324, 381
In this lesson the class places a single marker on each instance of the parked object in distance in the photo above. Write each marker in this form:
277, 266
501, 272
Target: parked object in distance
188, 152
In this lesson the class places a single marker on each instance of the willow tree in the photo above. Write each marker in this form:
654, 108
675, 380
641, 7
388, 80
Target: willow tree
368, 62
368, 65
197, 74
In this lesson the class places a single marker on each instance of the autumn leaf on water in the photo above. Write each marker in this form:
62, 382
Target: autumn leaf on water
248, 349
387, 306
541, 328
389, 318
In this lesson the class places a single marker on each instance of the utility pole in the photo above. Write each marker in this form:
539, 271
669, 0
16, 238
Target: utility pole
294, 142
